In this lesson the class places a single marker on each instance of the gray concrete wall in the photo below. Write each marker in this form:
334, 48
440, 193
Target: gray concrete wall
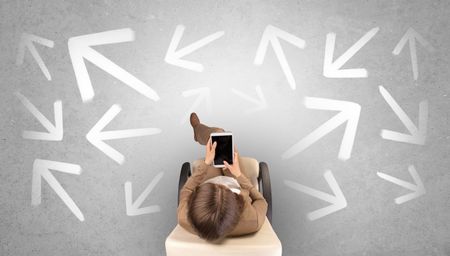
372, 223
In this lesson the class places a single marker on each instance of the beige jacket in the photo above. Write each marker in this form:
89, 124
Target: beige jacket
255, 206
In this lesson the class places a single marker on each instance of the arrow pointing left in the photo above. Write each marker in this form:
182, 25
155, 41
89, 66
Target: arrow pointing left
27, 41
338, 201
41, 170
55, 132
133, 208
96, 135
80, 49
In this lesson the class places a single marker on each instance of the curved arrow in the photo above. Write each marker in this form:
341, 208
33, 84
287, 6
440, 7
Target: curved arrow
96, 135
204, 94
174, 56
260, 102
271, 35
27, 40
333, 69
80, 49
41, 170
410, 37
349, 112
337, 200
133, 208
55, 132
417, 135
418, 188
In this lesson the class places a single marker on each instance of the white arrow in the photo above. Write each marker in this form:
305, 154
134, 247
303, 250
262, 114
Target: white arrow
260, 102
271, 35
417, 135
418, 188
349, 112
55, 132
411, 36
134, 209
204, 94
27, 41
96, 135
41, 169
337, 200
333, 69
173, 56
80, 49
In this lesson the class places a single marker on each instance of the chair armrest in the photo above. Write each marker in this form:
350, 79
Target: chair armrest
184, 175
264, 184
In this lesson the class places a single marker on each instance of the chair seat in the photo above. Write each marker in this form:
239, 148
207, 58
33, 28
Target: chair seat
262, 243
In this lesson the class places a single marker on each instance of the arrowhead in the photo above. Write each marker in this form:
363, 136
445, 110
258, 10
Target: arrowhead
260, 102
173, 56
204, 94
27, 40
332, 69
133, 208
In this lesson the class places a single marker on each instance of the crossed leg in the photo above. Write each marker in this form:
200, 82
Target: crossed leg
201, 131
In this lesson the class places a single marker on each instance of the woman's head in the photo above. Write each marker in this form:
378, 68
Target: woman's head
214, 210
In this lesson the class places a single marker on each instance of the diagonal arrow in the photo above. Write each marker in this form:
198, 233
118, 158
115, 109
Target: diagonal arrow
133, 208
204, 94
96, 135
410, 37
337, 200
173, 56
349, 112
417, 135
80, 49
260, 102
27, 40
271, 35
418, 188
55, 132
333, 69
41, 170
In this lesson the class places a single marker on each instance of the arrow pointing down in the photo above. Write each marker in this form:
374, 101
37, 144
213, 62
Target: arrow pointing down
133, 208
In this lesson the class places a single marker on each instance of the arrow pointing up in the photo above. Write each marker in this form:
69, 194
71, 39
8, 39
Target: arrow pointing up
55, 132
418, 188
174, 56
260, 102
337, 200
96, 135
41, 169
411, 36
333, 69
80, 49
417, 135
204, 94
349, 112
134, 209
271, 35
27, 41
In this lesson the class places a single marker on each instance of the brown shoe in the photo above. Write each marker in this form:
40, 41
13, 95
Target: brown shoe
194, 119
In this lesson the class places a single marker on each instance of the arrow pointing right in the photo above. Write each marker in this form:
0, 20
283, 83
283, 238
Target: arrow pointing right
260, 102
133, 208
337, 200
80, 49
204, 94
27, 41
55, 132
349, 112
418, 188
271, 35
41, 170
333, 69
417, 135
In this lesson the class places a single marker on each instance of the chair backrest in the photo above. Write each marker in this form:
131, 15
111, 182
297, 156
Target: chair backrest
249, 167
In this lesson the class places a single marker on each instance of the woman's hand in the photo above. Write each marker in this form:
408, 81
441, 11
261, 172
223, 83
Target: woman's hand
234, 168
210, 152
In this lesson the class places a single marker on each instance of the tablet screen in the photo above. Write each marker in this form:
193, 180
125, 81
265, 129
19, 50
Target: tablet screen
224, 149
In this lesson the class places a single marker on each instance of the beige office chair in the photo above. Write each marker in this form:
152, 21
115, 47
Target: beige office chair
262, 243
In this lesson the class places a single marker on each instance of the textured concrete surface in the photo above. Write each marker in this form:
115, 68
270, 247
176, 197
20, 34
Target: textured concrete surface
371, 224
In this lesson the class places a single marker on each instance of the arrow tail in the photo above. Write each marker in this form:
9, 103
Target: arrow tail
122, 134
283, 62
199, 44
310, 191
